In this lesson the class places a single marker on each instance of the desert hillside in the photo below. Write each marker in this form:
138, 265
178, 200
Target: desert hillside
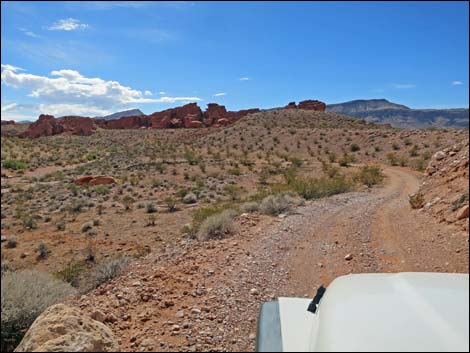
188, 223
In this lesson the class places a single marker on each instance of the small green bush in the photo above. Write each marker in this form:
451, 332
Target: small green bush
369, 175
16, 165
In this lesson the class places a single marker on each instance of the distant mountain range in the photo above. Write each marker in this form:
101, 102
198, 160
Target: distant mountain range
382, 111
131, 112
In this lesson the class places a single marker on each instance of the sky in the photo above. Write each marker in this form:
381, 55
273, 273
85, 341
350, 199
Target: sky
96, 58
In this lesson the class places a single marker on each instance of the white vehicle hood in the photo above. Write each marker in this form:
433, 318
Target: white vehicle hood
381, 312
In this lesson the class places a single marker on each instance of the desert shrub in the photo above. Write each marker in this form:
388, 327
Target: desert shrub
354, 147
170, 202
72, 273
393, 159
102, 190
29, 222
104, 272
24, 296
346, 160
151, 208
217, 226
249, 207
12, 243
276, 204
314, 188
127, 202
416, 200
296, 162
43, 251
369, 175
235, 171
12, 164
60, 225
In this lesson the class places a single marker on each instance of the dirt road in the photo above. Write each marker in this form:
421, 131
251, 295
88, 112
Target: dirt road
206, 295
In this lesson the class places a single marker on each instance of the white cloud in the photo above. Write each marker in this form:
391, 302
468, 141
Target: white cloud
403, 85
72, 109
162, 93
456, 83
11, 68
67, 92
28, 33
9, 107
245, 78
175, 99
220, 94
148, 93
68, 24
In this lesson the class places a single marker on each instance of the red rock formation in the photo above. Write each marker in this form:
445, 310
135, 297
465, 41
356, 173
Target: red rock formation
46, 125
77, 125
8, 122
312, 105
213, 113
175, 117
187, 116
127, 122
94, 180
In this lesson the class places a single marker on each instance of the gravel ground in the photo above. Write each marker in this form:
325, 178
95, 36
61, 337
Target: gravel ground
205, 296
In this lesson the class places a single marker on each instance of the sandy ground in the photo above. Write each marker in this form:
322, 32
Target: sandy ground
199, 296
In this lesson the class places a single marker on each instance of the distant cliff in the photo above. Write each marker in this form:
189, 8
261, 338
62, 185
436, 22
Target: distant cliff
382, 111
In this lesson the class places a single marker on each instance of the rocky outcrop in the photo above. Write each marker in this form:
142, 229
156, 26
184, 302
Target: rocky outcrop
188, 116
176, 117
291, 105
312, 105
307, 105
94, 180
8, 122
62, 328
46, 125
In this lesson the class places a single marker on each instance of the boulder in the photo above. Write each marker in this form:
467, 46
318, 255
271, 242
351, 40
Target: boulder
8, 122
463, 212
439, 156
63, 328
95, 180
102, 180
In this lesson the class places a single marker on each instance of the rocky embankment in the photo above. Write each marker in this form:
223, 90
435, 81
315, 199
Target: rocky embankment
445, 189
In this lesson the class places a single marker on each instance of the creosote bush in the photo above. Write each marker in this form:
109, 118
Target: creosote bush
217, 226
104, 272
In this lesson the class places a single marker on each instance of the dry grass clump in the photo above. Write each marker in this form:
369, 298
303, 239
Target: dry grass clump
276, 204
25, 295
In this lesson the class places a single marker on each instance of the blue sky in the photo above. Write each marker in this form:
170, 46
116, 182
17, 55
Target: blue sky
94, 58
